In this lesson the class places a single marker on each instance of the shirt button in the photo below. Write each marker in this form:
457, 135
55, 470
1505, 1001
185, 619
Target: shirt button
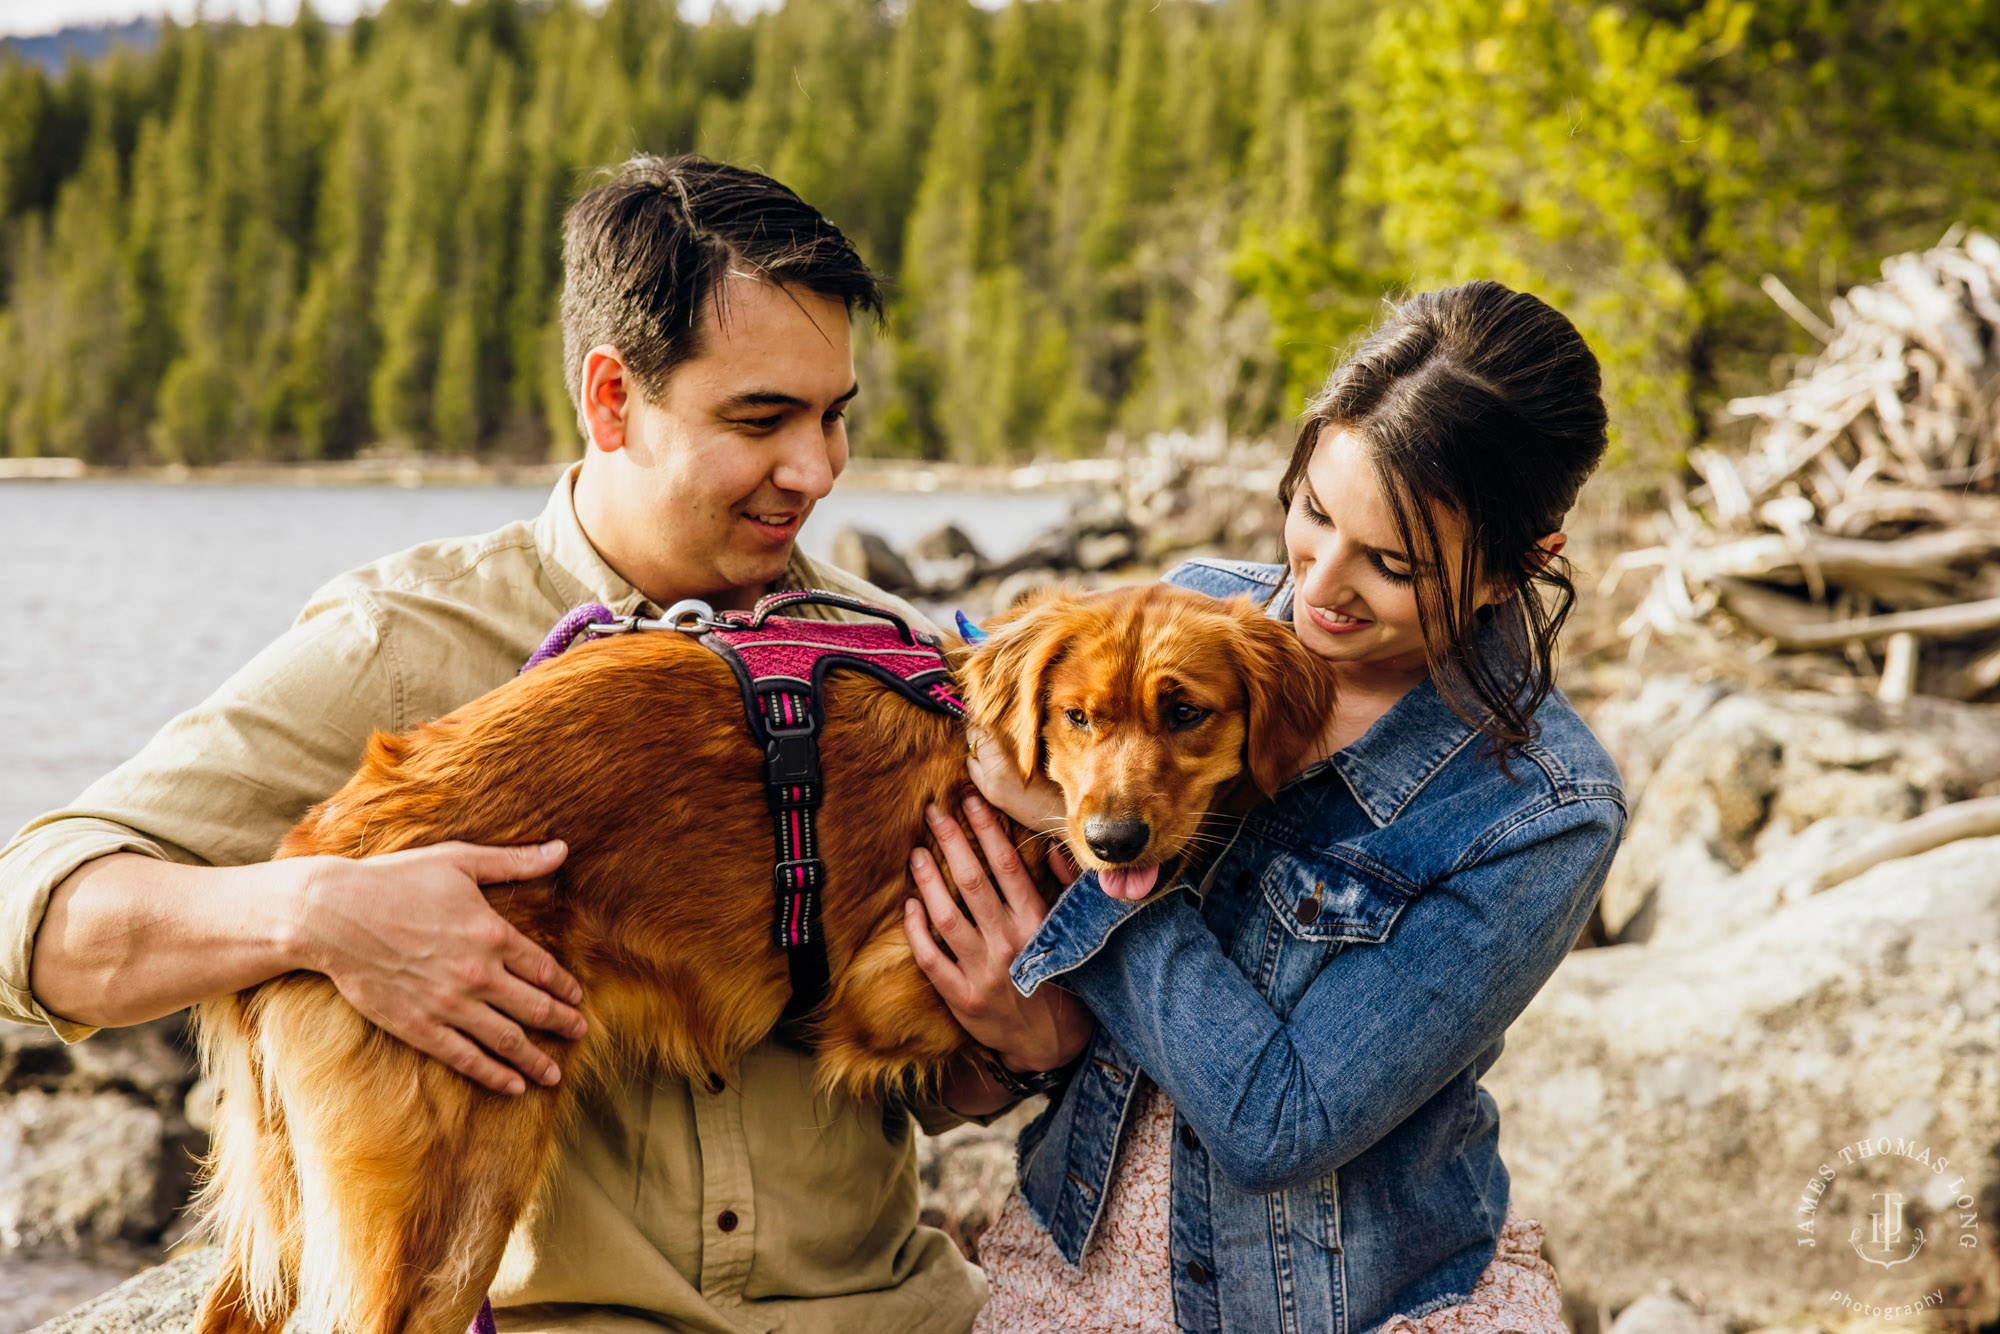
1188, 1137
1197, 1272
1308, 910
726, 1220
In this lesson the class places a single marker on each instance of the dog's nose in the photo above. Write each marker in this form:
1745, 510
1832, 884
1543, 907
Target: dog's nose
1116, 840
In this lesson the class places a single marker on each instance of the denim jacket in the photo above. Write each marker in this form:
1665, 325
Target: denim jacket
1320, 1007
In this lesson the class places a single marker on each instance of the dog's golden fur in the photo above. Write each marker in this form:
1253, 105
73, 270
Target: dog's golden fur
372, 1188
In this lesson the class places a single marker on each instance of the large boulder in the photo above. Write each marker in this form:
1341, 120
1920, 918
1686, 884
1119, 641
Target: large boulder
1797, 1121
1721, 780
95, 1144
864, 553
162, 1300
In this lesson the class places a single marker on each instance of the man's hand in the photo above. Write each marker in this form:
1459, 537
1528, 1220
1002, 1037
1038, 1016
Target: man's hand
413, 945
1041, 1032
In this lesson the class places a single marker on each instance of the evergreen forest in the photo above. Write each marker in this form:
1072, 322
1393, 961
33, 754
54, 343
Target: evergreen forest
1099, 218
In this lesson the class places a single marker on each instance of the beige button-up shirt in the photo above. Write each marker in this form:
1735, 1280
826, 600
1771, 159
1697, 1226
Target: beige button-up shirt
757, 1207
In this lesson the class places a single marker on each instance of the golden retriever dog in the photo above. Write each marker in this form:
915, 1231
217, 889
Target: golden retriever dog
373, 1188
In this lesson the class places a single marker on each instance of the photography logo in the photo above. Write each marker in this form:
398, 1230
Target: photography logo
1909, 1198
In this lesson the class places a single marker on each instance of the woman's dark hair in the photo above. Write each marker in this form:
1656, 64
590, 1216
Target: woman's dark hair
1485, 404
642, 252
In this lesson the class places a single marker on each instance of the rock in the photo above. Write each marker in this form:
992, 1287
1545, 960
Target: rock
965, 1174
1665, 1312
1102, 551
151, 1060
944, 578
1054, 549
860, 552
39, 1283
1719, 779
1702, 1112
162, 1300
81, 1168
95, 1145
946, 542
1021, 583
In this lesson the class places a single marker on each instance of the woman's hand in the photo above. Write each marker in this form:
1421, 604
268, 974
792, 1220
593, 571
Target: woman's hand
1035, 804
1042, 1032
411, 942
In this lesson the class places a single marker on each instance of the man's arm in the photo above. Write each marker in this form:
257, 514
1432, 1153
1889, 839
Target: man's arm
155, 890
408, 938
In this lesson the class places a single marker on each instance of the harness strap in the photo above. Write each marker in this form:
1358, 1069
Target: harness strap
792, 788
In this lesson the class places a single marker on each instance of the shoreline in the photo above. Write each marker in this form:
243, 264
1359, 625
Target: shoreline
414, 471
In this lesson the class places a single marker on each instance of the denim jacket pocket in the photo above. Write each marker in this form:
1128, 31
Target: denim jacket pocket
1334, 898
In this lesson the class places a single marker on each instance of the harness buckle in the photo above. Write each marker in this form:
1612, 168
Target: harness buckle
810, 875
791, 759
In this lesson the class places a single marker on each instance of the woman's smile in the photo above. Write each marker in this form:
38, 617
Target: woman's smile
1336, 622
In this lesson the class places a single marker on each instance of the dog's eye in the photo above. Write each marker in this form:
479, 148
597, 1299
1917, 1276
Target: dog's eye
1183, 715
1077, 718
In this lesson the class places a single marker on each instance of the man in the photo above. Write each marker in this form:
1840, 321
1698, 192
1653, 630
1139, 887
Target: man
706, 342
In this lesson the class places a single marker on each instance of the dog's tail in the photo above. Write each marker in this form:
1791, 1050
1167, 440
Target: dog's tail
249, 1197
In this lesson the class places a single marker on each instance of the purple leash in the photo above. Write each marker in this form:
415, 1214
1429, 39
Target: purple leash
575, 623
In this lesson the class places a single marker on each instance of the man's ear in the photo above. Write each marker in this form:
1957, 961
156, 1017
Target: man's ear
1288, 697
607, 393
1004, 676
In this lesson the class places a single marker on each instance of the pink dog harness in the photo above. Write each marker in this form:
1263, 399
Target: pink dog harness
781, 664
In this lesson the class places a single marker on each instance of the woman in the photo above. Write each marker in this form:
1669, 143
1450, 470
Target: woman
1278, 1125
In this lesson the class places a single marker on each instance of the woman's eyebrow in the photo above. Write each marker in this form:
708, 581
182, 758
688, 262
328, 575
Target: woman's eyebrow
1390, 552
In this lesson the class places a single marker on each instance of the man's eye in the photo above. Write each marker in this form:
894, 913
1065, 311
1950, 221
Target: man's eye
1184, 715
760, 423
1077, 718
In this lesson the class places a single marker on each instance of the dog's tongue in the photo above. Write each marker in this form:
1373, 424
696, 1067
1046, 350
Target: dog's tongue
1128, 882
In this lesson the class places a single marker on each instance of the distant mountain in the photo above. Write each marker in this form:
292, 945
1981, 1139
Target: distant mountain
52, 51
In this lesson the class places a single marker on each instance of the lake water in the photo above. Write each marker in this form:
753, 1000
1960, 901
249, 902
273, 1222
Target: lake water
124, 602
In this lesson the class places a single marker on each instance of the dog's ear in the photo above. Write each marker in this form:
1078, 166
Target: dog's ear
1004, 676
1288, 696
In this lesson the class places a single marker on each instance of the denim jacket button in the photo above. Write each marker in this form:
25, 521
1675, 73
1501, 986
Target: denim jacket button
1308, 910
1197, 1272
1188, 1138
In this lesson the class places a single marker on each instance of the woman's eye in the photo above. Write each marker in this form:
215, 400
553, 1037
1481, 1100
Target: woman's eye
1185, 715
1313, 512
1077, 718
1382, 568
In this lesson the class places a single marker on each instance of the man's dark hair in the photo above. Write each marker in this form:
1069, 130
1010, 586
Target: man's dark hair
643, 251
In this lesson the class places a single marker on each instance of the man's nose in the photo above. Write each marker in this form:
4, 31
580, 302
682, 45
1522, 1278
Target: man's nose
806, 466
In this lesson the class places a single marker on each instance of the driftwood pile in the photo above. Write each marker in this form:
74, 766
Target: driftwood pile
1858, 539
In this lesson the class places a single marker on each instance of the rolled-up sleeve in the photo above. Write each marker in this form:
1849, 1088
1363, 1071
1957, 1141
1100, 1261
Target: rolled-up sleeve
220, 784
1381, 1028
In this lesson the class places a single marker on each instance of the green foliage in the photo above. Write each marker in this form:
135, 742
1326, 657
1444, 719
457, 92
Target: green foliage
1642, 165
1099, 216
